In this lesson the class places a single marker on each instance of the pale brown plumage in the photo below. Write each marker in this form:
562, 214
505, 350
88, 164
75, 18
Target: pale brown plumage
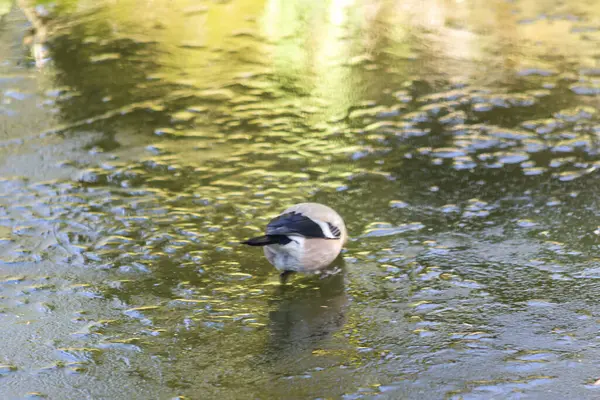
306, 237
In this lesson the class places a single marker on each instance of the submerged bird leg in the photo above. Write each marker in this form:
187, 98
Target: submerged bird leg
284, 276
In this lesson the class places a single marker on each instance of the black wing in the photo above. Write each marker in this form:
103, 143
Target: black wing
335, 231
294, 224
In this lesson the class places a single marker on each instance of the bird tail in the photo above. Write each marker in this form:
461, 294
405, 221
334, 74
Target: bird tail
266, 240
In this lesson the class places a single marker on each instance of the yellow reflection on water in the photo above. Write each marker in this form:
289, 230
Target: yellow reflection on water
336, 50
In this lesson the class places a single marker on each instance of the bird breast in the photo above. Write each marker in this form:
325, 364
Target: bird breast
303, 254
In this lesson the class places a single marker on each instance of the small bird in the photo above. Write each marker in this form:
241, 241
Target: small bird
306, 237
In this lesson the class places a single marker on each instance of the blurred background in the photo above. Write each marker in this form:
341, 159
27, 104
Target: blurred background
141, 140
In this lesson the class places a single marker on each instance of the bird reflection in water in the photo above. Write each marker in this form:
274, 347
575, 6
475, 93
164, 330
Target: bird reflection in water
307, 313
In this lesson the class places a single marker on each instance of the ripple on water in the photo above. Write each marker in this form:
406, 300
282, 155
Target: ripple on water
383, 229
480, 287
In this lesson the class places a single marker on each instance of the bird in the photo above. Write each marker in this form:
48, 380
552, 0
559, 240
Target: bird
305, 238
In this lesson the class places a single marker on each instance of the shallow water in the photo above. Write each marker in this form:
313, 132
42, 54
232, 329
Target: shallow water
141, 141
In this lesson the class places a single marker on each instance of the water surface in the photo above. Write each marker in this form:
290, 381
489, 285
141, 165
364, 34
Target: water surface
140, 141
